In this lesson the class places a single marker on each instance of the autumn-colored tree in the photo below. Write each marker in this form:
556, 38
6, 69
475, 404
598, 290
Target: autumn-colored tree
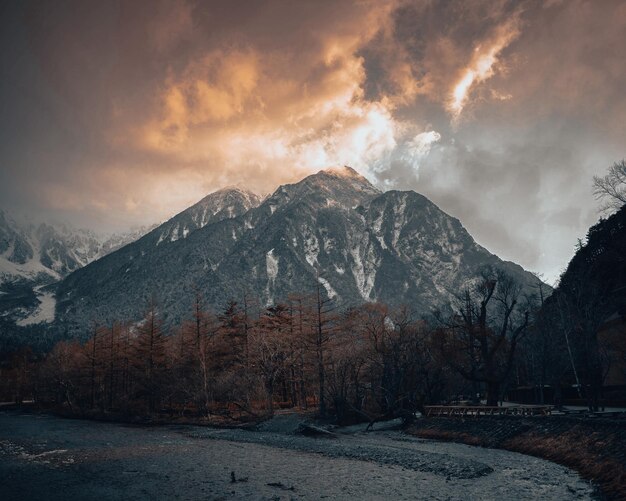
322, 320
149, 358
346, 363
61, 376
271, 348
300, 334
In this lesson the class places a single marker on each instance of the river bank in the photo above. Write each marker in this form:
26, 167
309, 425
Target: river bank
47, 457
594, 447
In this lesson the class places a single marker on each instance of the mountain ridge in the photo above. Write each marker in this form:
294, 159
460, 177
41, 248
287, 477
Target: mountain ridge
332, 228
29, 251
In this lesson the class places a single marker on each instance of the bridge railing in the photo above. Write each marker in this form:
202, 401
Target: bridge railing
486, 410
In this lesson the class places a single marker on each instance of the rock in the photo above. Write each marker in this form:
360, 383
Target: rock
311, 430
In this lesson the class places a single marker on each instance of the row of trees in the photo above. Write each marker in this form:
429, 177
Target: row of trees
299, 353
362, 362
358, 362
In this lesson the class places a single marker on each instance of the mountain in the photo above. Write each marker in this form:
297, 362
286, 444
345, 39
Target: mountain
332, 228
48, 252
223, 204
32, 256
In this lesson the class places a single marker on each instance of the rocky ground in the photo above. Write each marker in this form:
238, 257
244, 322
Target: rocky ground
45, 457
593, 446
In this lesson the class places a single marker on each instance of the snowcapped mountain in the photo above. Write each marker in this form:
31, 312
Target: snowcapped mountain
223, 204
332, 228
18, 257
45, 252
33, 256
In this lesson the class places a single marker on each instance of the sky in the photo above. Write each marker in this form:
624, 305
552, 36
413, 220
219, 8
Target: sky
122, 113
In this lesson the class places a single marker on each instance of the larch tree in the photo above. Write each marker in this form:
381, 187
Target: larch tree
149, 357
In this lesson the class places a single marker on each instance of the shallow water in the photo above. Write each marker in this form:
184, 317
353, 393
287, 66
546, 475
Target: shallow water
45, 457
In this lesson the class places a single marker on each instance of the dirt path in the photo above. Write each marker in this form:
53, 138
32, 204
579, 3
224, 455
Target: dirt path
43, 457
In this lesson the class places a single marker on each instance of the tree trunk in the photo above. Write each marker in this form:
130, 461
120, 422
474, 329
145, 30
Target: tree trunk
493, 393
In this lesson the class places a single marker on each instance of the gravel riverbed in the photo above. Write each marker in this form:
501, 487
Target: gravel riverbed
46, 457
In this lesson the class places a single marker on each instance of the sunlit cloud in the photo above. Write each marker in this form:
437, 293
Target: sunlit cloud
440, 97
224, 111
481, 67
421, 144
213, 89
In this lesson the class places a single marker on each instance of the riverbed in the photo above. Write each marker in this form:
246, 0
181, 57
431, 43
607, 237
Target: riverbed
47, 457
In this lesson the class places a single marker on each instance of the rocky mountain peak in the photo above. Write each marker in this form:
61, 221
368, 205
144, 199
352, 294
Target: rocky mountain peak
343, 171
332, 228
225, 203
334, 187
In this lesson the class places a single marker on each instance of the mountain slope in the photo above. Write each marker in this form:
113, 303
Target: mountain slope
46, 252
332, 228
166, 262
33, 256
218, 206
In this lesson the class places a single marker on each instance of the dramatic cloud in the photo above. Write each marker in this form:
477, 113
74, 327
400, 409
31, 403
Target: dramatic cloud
481, 66
119, 113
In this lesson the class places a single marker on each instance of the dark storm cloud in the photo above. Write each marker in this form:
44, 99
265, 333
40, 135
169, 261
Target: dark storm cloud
117, 113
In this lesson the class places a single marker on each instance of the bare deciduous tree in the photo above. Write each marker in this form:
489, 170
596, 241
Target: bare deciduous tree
480, 340
611, 188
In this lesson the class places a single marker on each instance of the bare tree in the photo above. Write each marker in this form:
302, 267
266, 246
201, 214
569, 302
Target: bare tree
271, 348
322, 321
149, 357
611, 188
479, 342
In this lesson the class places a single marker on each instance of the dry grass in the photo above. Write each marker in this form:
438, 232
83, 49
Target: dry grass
450, 436
582, 451
598, 455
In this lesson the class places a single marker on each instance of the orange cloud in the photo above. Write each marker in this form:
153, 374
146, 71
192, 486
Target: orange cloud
267, 117
213, 89
481, 67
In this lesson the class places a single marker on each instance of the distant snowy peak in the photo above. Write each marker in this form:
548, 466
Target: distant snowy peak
227, 203
47, 252
14, 247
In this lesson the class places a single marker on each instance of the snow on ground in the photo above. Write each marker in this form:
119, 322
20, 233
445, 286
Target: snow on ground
44, 312
30, 269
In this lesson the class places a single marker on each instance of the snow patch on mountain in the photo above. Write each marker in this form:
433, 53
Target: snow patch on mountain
311, 248
271, 268
44, 312
271, 264
31, 269
364, 270
329, 290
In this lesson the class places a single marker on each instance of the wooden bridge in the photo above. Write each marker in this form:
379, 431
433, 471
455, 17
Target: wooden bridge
485, 410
